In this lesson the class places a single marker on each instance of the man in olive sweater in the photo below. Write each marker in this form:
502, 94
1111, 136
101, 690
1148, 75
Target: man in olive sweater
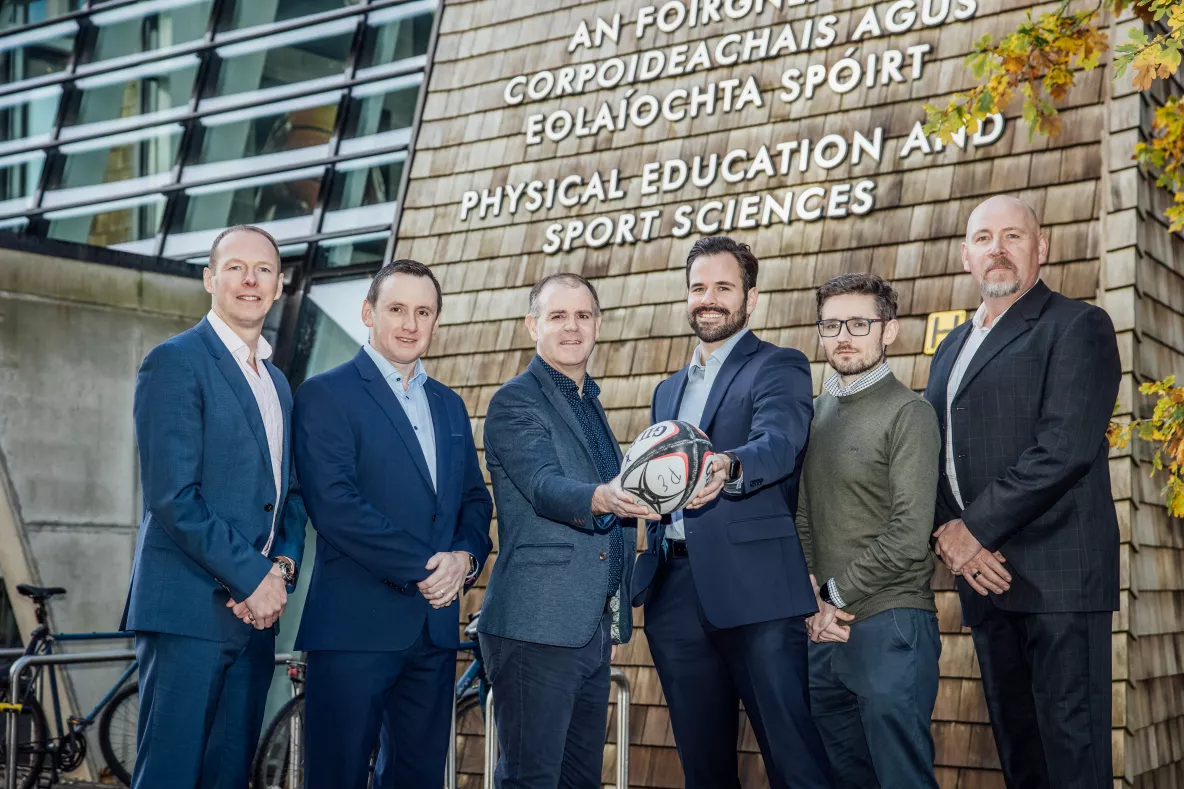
865, 515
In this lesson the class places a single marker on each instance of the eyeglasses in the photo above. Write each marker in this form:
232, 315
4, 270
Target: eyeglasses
856, 327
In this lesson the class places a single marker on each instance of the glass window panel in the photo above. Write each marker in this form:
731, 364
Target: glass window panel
146, 27
383, 107
113, 159
294, 57
368, 182
109, 224
240, 14
14, 13
29, 117
251, 201
268, 134
36, 53
407, 35
18, 181
351, 250
145, 90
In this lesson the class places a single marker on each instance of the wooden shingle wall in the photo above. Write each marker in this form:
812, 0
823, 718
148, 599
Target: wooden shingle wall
1081, 184
1144, 286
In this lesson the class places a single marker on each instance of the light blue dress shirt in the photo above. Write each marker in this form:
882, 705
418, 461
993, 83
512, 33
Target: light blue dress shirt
415, 403
700, 377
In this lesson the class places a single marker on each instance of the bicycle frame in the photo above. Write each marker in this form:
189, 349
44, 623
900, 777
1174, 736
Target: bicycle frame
41, 643
472, 672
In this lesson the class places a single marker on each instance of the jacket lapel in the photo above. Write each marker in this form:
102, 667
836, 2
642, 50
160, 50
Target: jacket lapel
1016, 322
380, 390
443, 446
560, 404
668, 408
943, 364
233, 374
723, 379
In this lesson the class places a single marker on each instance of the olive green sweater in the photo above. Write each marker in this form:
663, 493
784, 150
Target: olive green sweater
869, 483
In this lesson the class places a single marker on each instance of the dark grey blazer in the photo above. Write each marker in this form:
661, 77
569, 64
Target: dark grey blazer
549, 583
1030, 447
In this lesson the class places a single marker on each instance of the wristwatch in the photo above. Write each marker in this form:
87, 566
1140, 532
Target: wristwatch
734, 468
287, 569
474, 569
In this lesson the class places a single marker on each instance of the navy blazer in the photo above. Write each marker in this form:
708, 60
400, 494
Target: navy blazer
377, 518
209, 489
1030, 446
550, 582
745, 555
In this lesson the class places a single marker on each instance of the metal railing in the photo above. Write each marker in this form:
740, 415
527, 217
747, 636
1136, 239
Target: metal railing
24, 662
14, 676
619, 679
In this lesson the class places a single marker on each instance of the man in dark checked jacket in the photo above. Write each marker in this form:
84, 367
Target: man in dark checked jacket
1024, 514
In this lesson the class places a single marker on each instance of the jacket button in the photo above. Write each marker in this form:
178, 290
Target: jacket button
268, 507
433, 519
603, 556
388, 583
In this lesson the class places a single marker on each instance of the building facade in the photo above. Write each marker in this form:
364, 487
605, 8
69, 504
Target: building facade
603, 138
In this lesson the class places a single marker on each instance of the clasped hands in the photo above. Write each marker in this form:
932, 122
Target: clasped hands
266, 604
965, 556
824, 626
443, 586
610, 497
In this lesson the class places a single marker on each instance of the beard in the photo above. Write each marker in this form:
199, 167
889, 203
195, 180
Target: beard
732, 323
998, 289
859, 364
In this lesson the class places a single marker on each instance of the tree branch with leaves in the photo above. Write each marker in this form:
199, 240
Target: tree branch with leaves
1165, 430
1041, 61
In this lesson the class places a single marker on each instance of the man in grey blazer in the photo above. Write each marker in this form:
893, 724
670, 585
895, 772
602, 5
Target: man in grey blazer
553, 610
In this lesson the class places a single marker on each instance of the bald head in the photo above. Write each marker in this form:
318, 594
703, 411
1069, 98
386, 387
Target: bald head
1004, 249
1002, 204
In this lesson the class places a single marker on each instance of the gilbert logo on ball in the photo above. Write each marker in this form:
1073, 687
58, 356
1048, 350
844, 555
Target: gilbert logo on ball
667, 465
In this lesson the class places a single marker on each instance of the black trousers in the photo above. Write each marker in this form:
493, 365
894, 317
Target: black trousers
1047, 682
705, 672
551, 709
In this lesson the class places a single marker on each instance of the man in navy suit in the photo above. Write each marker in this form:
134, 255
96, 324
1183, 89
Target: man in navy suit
223, 527
724, 583
402, 516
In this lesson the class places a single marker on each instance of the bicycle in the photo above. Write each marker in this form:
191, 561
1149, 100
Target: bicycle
117, 712
278, 762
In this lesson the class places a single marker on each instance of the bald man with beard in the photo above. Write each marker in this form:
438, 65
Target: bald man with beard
1024, 515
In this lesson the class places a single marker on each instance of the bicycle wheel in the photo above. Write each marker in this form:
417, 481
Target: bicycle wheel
117, 732
31, 742
278, 761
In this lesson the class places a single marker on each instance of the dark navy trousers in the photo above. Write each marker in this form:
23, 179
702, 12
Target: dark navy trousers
873, 698
550, 704
350, 697
201, 708
707, 671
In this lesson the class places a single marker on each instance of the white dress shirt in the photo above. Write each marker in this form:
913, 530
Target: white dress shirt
978, 334
266, 397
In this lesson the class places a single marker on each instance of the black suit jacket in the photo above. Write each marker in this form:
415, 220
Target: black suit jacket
1029, 423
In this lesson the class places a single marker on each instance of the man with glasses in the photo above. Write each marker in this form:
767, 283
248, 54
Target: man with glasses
865, 514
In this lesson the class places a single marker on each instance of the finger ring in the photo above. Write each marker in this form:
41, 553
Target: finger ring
976, 574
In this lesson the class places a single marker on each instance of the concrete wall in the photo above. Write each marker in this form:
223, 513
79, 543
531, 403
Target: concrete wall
72, 336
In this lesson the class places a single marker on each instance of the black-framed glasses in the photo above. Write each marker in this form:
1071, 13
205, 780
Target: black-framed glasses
856, 327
